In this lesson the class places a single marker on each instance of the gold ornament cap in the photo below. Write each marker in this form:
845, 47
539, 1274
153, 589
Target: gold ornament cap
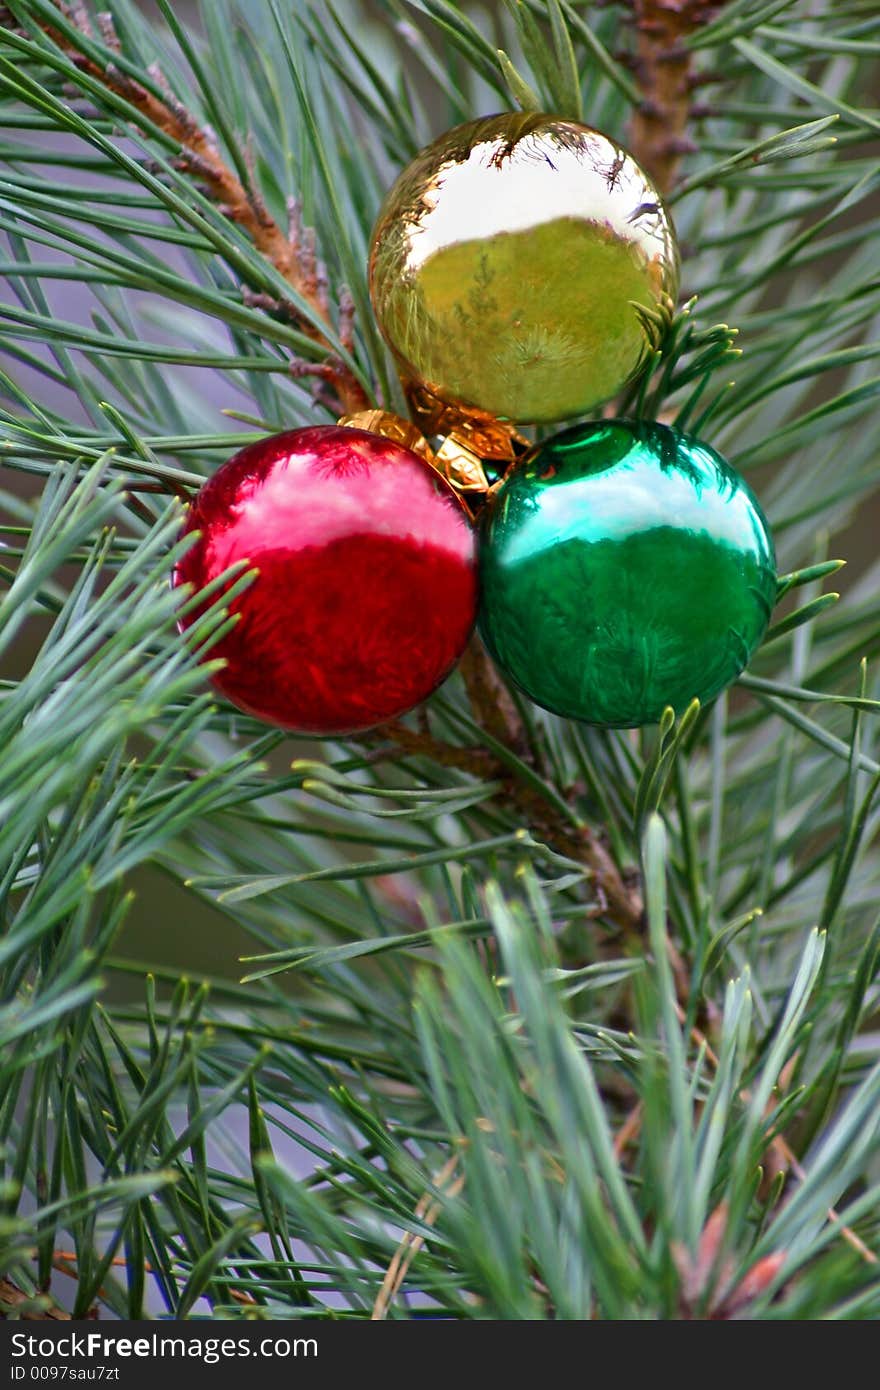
390, 426
454, 458
506, 266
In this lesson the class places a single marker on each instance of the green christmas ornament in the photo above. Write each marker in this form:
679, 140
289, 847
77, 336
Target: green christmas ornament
625, 567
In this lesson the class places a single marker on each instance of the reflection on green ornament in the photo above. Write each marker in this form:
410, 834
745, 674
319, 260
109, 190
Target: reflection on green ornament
625, 567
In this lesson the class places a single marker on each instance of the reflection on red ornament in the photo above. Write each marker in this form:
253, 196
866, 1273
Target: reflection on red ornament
366, 590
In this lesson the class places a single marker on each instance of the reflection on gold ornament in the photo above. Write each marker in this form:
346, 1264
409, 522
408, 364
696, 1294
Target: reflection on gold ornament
506, 265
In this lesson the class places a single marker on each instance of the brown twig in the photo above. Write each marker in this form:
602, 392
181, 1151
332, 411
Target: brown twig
621, 902
490, 699
427, 1210
496, 713
423, 744
658, 132
21, 1305
855, 1242
292, 253
629, 1130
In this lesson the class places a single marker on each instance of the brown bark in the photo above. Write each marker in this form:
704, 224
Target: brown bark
658, 132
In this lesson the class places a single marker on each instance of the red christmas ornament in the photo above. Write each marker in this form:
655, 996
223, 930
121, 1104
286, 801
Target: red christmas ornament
366, 589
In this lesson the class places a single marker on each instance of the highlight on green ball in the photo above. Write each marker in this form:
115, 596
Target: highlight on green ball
625, 567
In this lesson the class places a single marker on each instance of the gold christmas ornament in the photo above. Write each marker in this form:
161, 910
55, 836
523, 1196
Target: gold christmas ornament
506, 266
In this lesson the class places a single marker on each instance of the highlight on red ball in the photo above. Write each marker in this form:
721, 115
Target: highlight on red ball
366, 587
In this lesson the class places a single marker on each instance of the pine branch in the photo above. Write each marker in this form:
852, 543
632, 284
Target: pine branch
293, 253
495, 711
474, 1093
